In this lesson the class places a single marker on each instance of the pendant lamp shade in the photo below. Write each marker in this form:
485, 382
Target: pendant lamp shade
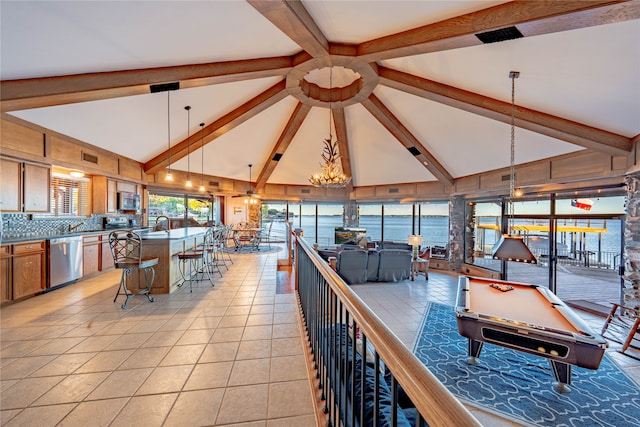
512, 248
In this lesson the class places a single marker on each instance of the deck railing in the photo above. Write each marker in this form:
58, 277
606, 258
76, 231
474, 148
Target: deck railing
365, 375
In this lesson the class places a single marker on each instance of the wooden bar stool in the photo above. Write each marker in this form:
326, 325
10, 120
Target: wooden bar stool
197, 260
126, 248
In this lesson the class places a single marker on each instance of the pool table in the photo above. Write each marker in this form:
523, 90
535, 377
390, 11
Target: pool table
528, 318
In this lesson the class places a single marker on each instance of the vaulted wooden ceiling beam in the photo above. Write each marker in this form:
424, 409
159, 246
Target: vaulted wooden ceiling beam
49, 91
343, 144
535, 121
221, 126
293, 19
406, 138
531, 18
289, 131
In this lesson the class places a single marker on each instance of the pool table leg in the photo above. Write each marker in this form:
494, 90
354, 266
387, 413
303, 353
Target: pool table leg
474, 349
562, 373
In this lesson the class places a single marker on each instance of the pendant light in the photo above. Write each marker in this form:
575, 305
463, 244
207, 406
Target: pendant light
168, 176
512, 247
188, 184
202, 158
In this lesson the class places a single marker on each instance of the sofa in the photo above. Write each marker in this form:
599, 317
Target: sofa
384, 265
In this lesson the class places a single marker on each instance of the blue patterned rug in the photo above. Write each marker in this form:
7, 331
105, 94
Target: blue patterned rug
518, 385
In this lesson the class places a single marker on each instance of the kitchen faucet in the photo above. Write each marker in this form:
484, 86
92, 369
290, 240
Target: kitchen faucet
73, 227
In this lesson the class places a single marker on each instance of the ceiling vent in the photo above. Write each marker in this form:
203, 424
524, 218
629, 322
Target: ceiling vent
277, 157
393, 190
164, 87
214, 184
91, 158
414, 151
305, 191
503, 34
506, 177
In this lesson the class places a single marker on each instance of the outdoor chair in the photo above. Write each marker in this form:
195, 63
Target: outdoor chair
625, 325
126, 249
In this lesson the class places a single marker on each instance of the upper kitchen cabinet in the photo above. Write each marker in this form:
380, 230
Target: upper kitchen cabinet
25, 186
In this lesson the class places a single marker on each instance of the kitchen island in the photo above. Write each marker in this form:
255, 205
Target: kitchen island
166, 245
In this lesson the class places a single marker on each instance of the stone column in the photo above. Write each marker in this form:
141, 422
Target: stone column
255, 214
631, 291
457, 223
351, 217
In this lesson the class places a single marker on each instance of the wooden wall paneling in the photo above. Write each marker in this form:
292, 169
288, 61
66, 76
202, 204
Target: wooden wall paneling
22, 139
585, 164
130, 169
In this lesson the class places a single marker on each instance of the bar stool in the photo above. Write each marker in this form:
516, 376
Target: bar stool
193, 257
126, 248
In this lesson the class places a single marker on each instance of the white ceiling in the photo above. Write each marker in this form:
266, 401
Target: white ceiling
589, 75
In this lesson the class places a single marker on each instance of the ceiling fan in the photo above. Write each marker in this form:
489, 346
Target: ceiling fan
250, 195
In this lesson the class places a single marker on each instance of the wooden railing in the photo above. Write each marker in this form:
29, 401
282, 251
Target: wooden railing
367, 377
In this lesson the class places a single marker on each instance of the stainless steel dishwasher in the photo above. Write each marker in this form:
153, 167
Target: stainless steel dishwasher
65, 260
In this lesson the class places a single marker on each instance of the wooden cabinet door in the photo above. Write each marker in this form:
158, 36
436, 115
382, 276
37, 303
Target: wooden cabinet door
112, 196
90, 259
37, 188
27, 275
107, 257
5, 273
10, 186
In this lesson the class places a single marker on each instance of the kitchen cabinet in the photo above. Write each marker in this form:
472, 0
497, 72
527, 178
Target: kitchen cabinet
10, 185
5, 273
105, 193
28, 272
37, 188
91, 254
106, 256
26, 187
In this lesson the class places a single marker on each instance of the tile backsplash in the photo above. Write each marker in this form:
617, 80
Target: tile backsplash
21, 225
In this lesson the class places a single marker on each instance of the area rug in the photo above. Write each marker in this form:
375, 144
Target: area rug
263, 250
518, 386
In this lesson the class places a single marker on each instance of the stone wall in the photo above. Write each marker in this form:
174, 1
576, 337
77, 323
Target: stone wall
351, 216
457, 224
631, 291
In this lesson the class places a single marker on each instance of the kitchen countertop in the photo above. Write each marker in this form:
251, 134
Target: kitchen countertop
175, 234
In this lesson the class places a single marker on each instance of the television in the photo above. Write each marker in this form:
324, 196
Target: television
350, 236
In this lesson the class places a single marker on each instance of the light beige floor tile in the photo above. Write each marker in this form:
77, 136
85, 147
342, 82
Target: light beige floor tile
120, 384
258, 349
262, 332
5, 384
65, 364
42, 416
260, 319
145, 358
300, 421
163, 339
57, 346
286, 330
287, 317
261, 309
25, 392
288, 368
195, 408
129, 341
94, 413
176, 324
233, 321
147, 411
183, 355
286, 347
205, 323
165, 379
252, 371
243, 404
24, 366
105, 361
227, 334
20, 348
73, 388
196, 336
290, 399
93, 344
238, 310
209, 375
6, 415
219, 352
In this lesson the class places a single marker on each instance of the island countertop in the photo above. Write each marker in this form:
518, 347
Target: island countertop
175, 234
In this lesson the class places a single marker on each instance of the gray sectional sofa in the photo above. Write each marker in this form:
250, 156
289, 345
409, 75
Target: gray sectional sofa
384, 265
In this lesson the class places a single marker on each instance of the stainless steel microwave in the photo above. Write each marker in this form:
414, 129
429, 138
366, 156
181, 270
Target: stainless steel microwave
128, 201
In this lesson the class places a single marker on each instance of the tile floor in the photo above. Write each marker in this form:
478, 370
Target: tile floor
225, 355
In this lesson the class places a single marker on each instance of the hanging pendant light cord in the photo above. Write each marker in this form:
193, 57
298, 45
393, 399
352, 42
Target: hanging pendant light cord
512, 174
188, 108
202, 157
330, 99
169, 130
